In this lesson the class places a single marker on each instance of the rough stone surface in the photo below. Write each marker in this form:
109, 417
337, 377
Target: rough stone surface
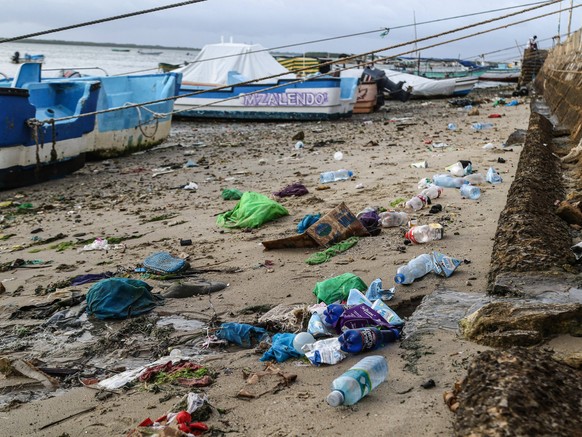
519, 392
560, 82
530, 236
504, 324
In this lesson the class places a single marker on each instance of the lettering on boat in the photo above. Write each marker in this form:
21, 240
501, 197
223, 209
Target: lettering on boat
290, 98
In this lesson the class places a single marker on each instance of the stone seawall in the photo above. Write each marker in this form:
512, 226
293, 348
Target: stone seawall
530, 236
560, 82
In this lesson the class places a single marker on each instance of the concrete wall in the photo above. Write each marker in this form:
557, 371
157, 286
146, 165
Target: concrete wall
560, 82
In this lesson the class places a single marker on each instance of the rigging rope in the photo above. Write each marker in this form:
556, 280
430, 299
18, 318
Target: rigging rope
102, 20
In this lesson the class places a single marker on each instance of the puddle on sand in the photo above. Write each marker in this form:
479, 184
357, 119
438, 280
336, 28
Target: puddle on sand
180, 323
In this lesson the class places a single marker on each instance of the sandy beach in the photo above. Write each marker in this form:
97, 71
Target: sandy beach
146, 212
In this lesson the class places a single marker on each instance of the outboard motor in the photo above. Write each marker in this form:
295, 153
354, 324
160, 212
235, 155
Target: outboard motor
385, 85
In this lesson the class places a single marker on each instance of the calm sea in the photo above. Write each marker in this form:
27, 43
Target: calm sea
59, 57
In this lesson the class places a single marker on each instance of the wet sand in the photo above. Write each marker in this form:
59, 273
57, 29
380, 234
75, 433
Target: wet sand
121, 198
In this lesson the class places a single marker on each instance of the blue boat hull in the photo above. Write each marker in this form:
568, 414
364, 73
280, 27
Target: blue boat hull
32, 153
317, 99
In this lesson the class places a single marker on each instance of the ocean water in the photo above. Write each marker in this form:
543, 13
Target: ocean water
71, 57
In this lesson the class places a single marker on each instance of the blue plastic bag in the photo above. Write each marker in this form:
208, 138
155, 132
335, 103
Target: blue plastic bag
119, 298
241, 334
282, 348
307, 221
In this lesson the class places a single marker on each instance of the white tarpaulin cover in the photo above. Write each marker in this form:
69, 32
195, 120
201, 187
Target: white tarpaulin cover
421, 86
246, 59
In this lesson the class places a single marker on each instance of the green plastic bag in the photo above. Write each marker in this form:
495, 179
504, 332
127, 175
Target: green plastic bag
336, 249
338, 288
251, 211
231, 194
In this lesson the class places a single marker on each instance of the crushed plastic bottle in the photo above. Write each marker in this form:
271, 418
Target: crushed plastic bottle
432, 192
470, 192
390, 219
334, 176
416, 268
475, 179
493, 177
452, 126
417, 202
424, 233
358, 381
482, 126
448, 181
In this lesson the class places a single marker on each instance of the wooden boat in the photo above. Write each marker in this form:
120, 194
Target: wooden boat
33, 151
145, 52
232, 66
16, 59
166, 68
120, 50
305, 64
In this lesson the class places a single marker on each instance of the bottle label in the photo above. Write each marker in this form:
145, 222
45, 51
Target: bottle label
369, 339
363, 379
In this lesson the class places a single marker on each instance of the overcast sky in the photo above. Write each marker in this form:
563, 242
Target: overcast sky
274, 23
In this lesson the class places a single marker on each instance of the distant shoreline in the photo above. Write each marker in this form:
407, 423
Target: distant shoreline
100, 44
147, 46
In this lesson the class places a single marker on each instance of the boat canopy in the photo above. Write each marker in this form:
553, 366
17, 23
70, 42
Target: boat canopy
215, 61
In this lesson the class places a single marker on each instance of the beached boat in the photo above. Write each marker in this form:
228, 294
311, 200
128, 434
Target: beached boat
423, 87
231, 66
305, 64
47, 133
501, 75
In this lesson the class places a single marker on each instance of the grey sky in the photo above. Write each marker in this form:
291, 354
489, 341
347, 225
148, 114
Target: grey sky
275, 23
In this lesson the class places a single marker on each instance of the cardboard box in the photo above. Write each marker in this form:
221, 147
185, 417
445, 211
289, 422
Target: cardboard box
337, 225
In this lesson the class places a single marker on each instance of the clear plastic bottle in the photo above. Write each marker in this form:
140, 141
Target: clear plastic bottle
417, 202
359, 381
359, 340
447, 181
334, 176
475, 179
424, 233
470, 192
452, 126
416, 268
390, 219
432, 192
482, 126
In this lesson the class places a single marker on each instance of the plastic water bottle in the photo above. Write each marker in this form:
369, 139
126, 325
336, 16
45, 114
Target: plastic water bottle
334, 176
493, 177
359, 381
447, 181
470, 192
424, 233
393, 218
366, 339
432, 192
416, 268
452, 126
482, 126
417, 202
475, 179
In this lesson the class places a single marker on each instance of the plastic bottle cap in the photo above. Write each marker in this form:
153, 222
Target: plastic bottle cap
350, 173
399, 278
302, 339
335, 398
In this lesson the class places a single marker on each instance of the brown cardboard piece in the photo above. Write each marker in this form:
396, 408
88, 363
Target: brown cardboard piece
337, 225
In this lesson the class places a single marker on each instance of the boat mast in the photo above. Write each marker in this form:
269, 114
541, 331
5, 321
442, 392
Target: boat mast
416, 44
